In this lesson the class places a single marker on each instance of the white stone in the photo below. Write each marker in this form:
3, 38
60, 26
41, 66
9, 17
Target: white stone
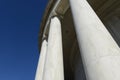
54, 60
41, 62
100, 53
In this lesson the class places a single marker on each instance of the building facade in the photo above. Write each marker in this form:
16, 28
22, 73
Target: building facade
80, 40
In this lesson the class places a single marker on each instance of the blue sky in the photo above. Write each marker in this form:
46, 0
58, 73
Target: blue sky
19, 28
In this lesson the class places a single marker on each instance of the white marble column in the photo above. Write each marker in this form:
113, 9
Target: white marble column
54, 60
100, 53
41, 62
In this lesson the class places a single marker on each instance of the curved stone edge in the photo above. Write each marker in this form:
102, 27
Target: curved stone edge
48, 10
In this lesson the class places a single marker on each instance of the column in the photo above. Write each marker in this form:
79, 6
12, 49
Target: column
100, 53
54, 59
41, 62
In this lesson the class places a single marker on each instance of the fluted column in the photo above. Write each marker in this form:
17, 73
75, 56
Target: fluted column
41, 62
100, 53
54, 60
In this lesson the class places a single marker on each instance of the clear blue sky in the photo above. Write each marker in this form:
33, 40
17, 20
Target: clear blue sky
19, 28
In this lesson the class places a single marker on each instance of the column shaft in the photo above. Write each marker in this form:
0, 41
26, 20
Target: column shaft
41, 62
54, 59
100, 53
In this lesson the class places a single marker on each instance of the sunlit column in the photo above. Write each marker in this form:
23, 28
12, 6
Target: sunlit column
100, 53
54, 60
41, 62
